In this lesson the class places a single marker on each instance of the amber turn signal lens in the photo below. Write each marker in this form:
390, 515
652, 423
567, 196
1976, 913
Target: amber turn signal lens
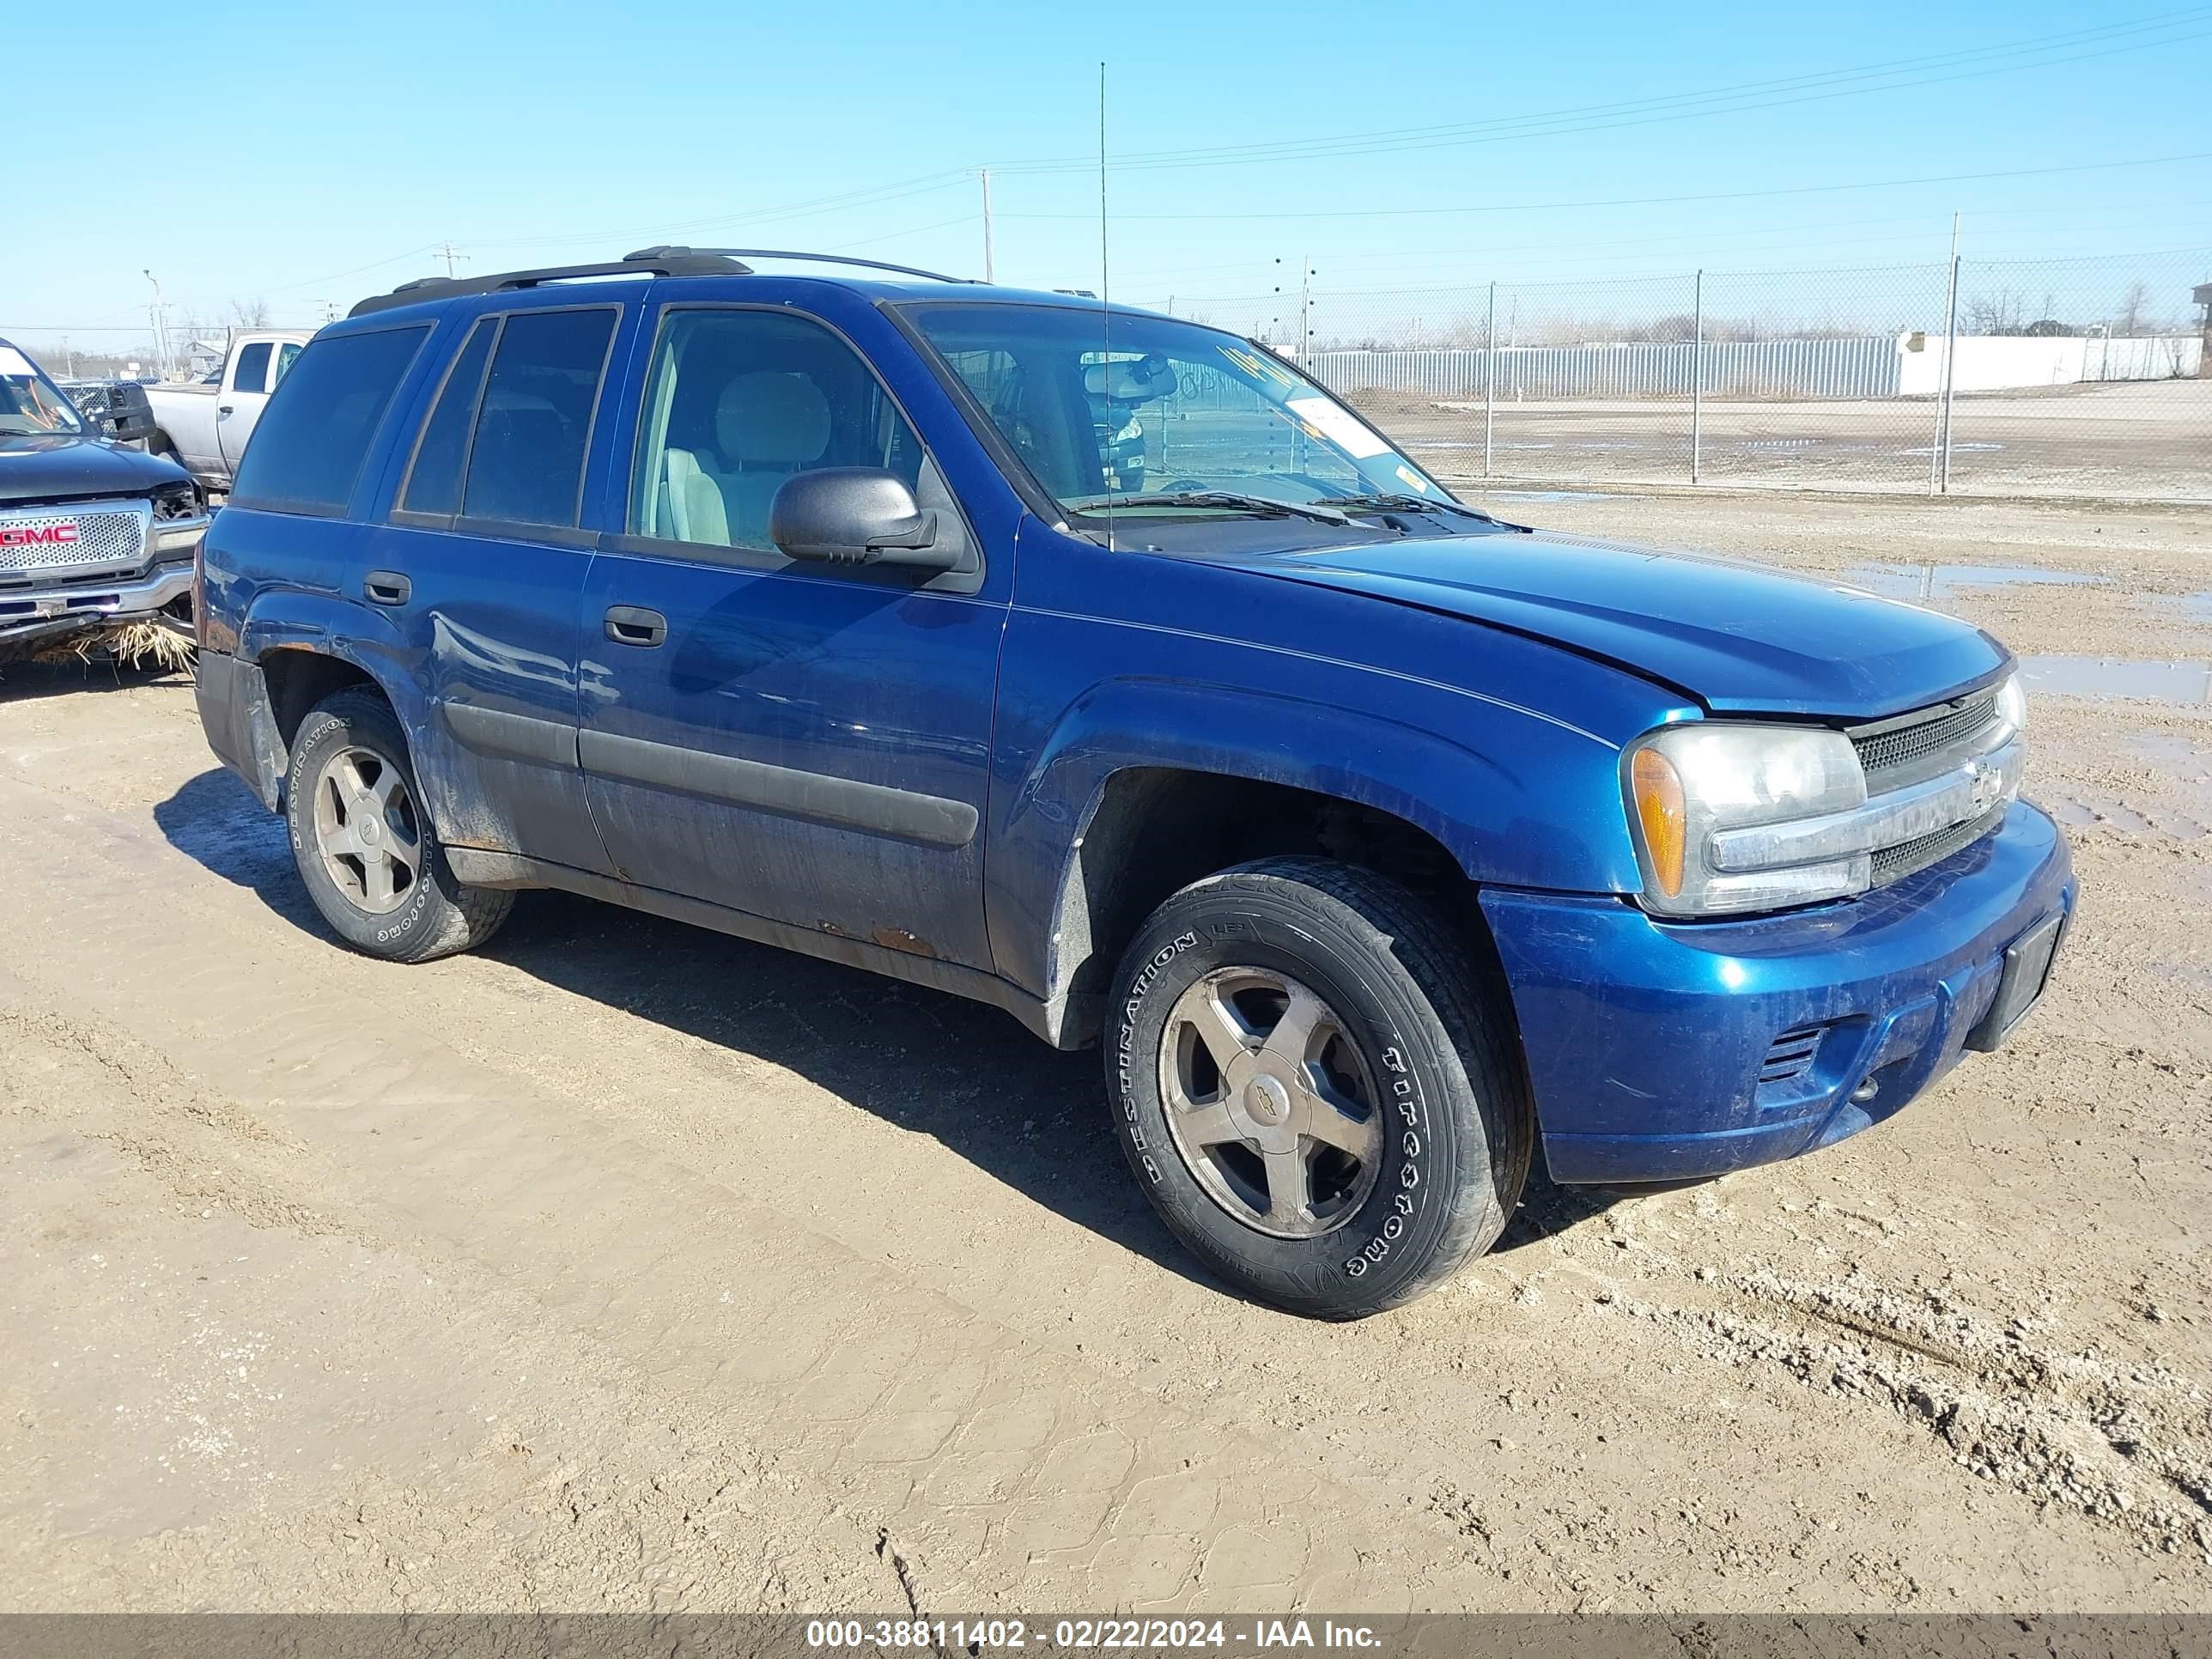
1658, 791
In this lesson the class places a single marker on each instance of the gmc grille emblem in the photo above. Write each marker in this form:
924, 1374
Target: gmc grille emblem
32, 536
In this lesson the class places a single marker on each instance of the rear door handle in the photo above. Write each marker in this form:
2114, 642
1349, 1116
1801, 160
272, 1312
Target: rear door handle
630, 624
386, 587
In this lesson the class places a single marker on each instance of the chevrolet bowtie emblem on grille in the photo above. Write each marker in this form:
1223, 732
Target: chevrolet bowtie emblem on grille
1989, 783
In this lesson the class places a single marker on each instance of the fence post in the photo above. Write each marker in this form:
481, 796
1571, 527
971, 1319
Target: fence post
1489, 379
1697, 375
1939, 449
1950, 373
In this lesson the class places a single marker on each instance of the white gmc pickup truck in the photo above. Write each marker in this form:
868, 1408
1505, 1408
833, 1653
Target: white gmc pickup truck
203, 426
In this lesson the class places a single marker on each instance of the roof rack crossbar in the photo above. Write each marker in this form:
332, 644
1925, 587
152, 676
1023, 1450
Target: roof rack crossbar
791, 253
652, 262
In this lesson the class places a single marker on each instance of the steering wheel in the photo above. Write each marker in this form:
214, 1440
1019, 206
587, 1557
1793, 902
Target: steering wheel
1179, 486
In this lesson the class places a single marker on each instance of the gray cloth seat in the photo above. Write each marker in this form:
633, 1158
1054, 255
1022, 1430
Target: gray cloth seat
768, 425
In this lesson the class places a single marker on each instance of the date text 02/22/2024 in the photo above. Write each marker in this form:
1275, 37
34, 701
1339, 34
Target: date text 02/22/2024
1105, 1635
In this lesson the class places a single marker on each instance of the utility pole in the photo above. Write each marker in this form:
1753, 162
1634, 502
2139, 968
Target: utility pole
446, 252
988, 275
161, 328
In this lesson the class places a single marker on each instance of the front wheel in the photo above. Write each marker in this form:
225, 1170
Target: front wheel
365, 848
1316, 1093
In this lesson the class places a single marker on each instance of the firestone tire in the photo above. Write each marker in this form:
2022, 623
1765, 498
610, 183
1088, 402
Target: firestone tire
431, 915
1430, 1044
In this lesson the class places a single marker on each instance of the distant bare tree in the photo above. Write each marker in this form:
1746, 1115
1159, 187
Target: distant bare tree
249, 314
1998, 314
2130, 321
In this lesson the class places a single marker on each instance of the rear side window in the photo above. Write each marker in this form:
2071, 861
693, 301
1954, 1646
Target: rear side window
434, 483
525, 463
307, 450
252, 373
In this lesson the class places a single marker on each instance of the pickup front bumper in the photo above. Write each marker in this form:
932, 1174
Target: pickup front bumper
1667, 1051
61, 601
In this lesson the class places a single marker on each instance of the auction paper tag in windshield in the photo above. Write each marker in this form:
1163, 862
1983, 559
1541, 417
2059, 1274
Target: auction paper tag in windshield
13, 361
1340, 426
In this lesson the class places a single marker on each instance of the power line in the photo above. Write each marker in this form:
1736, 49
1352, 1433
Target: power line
1431, 258
872, 197
1642, 201
1645, 111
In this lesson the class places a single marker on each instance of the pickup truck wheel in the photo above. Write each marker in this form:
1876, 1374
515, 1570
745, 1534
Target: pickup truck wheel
1314, 1091
366, 848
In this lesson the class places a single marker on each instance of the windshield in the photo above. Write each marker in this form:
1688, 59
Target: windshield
1150, 408
29, 402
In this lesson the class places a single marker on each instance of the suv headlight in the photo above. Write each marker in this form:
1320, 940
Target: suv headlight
1686, 783
2012, 710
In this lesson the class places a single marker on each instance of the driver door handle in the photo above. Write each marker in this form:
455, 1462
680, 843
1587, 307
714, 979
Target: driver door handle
630, 624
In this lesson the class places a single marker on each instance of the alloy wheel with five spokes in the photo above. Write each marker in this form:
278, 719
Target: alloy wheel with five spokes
1270, 1102
367, 832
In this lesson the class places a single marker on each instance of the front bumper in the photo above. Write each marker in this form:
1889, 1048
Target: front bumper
28, 613
1647, 1040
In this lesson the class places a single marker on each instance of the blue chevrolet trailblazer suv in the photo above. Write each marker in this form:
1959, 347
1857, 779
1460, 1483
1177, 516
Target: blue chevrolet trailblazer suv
1105, 667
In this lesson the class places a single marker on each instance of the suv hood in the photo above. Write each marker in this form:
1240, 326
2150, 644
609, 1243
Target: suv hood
49, 466
1737, 637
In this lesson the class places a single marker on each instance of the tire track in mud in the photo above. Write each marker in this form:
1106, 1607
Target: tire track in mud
2129, 1446
1004, 1473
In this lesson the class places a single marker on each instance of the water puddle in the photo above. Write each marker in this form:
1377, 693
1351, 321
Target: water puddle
1938, 581
2195, 607
2183, 682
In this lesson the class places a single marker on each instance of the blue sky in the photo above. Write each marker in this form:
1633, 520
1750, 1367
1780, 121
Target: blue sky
308, 154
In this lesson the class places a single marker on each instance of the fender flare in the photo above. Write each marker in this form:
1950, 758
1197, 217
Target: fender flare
1481, 804
323, 625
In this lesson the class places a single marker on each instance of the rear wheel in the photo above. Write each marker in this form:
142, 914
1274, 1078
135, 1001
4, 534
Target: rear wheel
365, 846
1314, 1090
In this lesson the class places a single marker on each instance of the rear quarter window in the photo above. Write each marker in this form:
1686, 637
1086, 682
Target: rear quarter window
309, 447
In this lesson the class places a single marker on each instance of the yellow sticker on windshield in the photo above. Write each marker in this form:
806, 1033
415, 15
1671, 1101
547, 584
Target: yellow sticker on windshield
1408, 476
1258, 366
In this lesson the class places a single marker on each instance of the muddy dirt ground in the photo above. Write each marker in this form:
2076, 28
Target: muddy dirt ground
623, 1266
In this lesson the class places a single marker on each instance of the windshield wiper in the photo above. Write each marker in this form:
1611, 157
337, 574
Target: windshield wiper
1404, 503
1264, 507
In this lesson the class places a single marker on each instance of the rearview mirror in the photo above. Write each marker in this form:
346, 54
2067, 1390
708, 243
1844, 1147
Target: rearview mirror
856, 516
1126, 381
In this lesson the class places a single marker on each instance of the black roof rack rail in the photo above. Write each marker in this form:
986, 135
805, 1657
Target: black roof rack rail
792, 254
648, 262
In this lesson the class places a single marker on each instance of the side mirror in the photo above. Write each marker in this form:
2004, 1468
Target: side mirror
856, 516
130, 413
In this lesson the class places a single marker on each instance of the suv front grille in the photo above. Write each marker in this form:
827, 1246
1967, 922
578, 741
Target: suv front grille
1910, 858
1900, 752
57, 538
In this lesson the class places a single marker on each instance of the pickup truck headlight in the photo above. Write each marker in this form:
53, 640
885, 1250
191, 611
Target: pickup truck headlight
1686, 784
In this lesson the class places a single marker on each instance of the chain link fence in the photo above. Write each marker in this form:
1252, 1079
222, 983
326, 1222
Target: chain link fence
2086, 376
